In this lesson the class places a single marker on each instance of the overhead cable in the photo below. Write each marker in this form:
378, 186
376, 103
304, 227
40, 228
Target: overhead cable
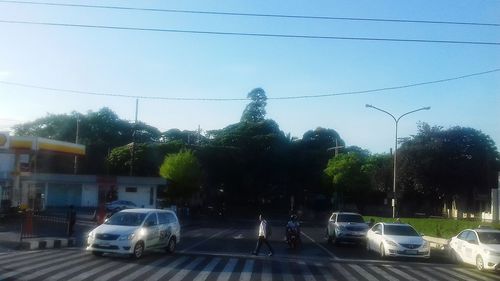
252, 14
295, 36
244, 99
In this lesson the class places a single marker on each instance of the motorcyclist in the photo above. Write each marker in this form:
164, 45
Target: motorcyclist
292, 227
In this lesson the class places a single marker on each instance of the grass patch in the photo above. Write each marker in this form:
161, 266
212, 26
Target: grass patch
442, 228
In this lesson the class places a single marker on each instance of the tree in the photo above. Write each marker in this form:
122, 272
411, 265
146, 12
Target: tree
347, 176
437, 166
255, 111
183, 173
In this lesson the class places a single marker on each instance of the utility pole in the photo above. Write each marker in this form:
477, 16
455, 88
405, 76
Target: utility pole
133, 139
75, 165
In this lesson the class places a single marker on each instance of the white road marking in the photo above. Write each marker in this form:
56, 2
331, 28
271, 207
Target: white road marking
306, 273
386, 275
228, 269
363, 272
400, 273
266, 274
205, 240
246, 274
186, 270
203, 275
166, 269
320, 246
343, 271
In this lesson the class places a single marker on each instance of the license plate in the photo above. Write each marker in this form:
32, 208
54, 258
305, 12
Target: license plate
411, 252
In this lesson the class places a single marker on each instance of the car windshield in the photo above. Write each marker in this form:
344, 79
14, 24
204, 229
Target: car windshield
350, 218
126, 219
489, 237
400, 230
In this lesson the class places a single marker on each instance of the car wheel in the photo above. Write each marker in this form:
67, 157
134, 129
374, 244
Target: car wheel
382, 251
171, 245
138, 250
97, 254
479, 263
454, 256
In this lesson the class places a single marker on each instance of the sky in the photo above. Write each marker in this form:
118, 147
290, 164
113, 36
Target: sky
214, 66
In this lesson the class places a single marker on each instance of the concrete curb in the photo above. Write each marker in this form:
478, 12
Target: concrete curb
46, 243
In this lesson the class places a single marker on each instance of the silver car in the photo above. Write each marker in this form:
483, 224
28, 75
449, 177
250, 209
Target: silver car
346, 227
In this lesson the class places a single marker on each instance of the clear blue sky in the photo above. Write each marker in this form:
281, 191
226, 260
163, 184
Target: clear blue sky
218, 66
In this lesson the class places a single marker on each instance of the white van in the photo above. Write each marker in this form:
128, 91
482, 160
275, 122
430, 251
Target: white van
133, 231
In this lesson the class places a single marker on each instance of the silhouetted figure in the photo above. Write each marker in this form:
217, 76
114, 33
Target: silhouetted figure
264, 234
71, 220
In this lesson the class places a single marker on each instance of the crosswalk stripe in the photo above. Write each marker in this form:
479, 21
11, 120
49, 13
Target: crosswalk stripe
10, 255
113, 273
452, 272
69, 272
400, 273
246, 273
95, 270
144, 269
203, 275
386, 275
266, 273
20, 258
306, 273
56, 267
163, 270
326, 273
185, 271
228, 269
347, 275
476, 275
286, 273
363, 272
41, 262
447, 275
420, 274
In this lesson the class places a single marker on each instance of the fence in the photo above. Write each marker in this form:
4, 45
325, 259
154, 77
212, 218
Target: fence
36, 226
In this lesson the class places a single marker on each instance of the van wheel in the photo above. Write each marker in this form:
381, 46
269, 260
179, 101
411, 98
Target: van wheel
382, 251
138, 250
479, 263
171, 245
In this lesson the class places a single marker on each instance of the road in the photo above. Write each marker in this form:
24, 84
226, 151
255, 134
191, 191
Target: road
223, 252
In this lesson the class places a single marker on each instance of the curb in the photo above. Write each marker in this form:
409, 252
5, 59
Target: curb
46, 243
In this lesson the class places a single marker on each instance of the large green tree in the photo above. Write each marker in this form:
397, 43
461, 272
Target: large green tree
183, 174
439, 165
255, 111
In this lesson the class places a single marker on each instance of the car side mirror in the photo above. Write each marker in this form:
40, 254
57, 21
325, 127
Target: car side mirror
378, 232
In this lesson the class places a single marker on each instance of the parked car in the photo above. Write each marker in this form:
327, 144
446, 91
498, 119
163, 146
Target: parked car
346, 227
396, 240
119, 205
479, 247
132, 231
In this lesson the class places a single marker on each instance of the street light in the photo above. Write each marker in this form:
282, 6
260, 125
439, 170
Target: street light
396, 120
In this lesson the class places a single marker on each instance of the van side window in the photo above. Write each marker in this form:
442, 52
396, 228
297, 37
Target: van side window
163, 218
151, 220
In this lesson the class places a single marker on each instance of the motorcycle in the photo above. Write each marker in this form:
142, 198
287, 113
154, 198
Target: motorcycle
292, 238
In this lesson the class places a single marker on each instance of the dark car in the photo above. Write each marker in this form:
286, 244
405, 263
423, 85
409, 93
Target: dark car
119, 205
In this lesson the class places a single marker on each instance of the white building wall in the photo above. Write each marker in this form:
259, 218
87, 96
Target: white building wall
142, 196
90, 194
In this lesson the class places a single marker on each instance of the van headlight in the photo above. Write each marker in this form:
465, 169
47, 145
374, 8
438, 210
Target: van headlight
126, 237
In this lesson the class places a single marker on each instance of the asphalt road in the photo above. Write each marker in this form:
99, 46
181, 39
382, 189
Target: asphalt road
221, 250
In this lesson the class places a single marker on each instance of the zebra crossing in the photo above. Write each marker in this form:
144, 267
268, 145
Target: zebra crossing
75, 264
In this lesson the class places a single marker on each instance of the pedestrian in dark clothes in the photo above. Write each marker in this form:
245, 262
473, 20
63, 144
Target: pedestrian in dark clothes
71, 220
264, 234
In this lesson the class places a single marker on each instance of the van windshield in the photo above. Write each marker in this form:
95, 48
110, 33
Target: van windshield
350, 218
126, 219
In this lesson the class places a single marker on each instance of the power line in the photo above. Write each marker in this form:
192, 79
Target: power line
252, 34
244, 99
253, 14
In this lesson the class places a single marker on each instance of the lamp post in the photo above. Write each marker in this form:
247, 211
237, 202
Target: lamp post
396, 120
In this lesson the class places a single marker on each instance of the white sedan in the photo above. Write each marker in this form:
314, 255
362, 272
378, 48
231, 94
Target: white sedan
396, 240
479, 247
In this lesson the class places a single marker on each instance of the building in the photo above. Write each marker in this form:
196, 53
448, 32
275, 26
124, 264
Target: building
22, 186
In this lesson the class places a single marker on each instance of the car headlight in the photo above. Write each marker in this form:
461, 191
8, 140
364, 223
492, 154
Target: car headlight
91, 235
127, 237
426, 244
390, 242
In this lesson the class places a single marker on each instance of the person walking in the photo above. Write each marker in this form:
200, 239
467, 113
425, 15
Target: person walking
264, 233
71, 220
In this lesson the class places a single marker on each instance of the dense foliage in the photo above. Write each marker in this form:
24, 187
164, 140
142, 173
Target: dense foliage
254, 163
